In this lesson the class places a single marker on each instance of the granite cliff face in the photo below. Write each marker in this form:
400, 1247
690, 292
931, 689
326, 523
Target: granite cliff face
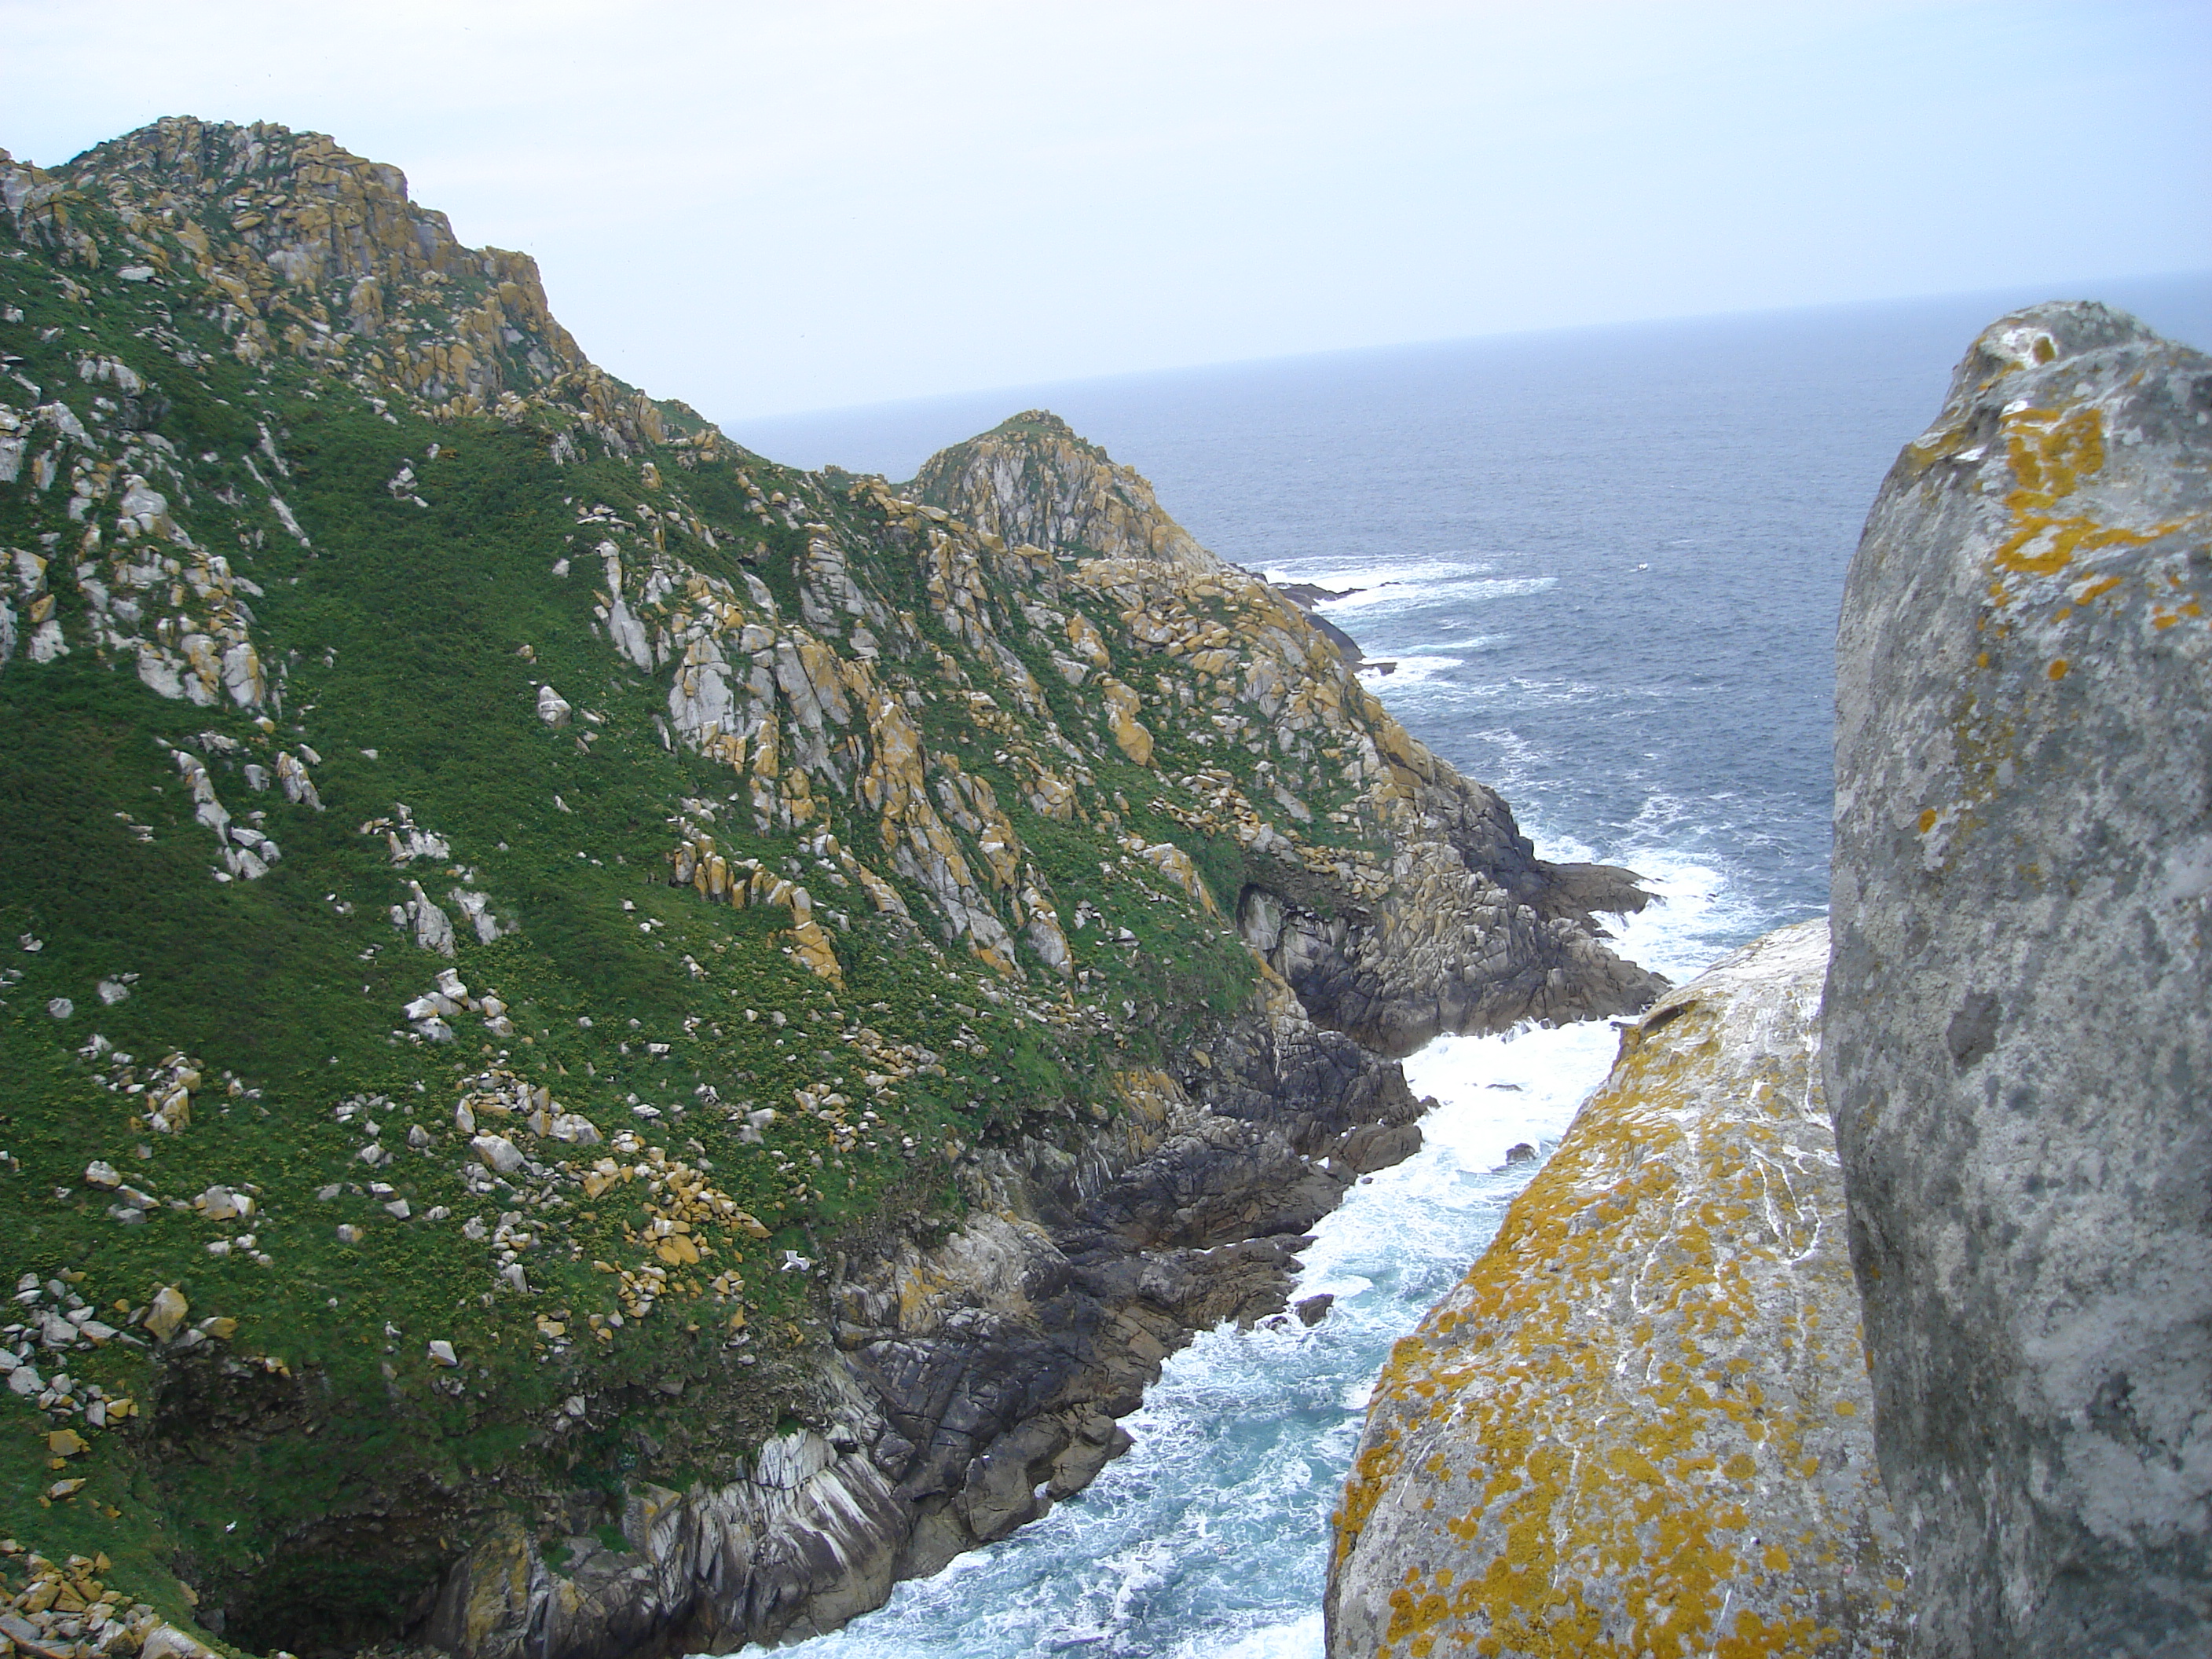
1640, 1426
2018, 1026
616, 1045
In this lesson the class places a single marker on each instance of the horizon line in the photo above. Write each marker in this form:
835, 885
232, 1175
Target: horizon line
831, 410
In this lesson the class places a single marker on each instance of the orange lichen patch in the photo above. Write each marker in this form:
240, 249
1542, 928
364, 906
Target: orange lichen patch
2051, 453
1581, 1474
2043, 546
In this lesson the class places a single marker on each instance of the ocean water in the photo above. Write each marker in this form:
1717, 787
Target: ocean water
1604, 566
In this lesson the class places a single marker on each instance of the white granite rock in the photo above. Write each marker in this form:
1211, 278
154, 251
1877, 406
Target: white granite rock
2019, 1025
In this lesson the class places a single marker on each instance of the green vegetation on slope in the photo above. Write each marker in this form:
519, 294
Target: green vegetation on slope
355, 556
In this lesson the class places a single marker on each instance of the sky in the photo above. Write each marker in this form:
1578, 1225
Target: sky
765, 209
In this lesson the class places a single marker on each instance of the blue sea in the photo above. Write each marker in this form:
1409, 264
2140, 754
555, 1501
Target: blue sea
1603, 565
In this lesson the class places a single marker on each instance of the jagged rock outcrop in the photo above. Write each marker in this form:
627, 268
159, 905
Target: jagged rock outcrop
1033, 480
1640, 1426
1476, 934
2019, 1017
311, 252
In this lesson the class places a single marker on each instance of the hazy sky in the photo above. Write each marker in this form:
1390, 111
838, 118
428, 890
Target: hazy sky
765, 208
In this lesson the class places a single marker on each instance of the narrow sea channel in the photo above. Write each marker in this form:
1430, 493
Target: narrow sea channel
1209, 1539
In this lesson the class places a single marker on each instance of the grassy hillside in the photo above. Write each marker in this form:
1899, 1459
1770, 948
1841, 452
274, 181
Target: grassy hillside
303, 510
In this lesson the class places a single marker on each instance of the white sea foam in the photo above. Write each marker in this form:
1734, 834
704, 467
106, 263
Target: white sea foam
1698, 918
1299, 1638
1210, 1537
1352, 579
1411, 591
1406, 671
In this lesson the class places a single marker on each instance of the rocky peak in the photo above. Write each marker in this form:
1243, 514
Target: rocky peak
1032, 480
324, 215
2026, 340
303, 249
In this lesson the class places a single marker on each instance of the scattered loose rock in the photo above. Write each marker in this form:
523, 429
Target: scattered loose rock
165, 1313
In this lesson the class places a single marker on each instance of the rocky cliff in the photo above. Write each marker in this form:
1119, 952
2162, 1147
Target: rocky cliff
612, 1046
2017, 1027
1472, 931
1641, 1424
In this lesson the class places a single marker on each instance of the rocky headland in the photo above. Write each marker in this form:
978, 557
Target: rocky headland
613, 1045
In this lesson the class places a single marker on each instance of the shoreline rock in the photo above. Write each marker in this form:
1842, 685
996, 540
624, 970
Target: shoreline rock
973, 1376
1641, 1424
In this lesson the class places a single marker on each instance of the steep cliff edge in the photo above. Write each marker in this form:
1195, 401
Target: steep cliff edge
2019, 1019
1640, 1426
612, 1045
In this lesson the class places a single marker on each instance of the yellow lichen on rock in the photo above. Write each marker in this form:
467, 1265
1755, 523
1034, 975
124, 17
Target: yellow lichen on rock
1641, 1424
166, 1312
1087, 642
1134, 738
811, 946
